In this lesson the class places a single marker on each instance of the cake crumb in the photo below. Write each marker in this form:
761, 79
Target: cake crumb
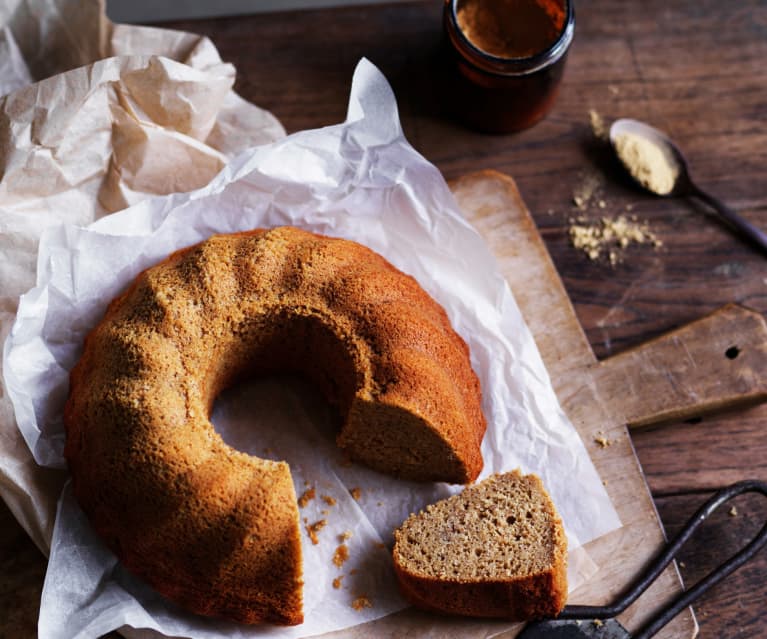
598, 623
733, 512
330, 501
356, 493
306, 497
314, 528
341, 555
361, 602
346, 534
682, 564
602, 441
337, 582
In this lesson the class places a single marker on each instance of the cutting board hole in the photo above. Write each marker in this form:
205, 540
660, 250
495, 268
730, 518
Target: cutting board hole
732, 352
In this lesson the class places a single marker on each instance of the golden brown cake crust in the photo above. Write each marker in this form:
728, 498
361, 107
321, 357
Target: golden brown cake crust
487, 580
214, 529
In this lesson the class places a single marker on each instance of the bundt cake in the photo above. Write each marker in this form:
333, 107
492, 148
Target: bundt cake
214, 529
498, 549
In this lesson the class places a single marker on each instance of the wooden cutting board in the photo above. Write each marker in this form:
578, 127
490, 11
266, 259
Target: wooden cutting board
697, 368
688, 372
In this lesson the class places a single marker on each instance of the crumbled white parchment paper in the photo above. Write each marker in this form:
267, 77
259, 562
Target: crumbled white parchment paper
95, 116
360, 180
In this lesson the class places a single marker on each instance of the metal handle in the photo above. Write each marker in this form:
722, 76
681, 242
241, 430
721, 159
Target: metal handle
661, 561
757, 237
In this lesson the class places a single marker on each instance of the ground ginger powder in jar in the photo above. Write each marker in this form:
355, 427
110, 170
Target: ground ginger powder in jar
650, 164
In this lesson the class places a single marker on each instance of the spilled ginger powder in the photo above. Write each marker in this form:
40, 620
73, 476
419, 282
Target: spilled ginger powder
610, 235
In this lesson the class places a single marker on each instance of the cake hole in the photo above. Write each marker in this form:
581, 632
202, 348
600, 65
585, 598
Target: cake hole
732, 352
529, 515
511, 520
478, 552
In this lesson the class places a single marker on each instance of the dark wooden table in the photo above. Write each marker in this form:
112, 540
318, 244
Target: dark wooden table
695, 68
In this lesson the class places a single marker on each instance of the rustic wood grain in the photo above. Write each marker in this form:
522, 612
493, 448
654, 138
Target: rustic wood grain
715, 363
22, 570
492, 203
692, 67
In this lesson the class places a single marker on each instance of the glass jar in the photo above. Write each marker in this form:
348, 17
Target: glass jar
504, 75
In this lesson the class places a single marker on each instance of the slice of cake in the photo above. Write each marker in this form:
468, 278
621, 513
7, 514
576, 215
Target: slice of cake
496, 550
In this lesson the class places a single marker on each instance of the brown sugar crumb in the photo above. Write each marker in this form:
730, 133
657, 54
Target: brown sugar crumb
314, 528
341, 555
356, 493
337, 582
361, 602
346, 534
330, 501
306, 497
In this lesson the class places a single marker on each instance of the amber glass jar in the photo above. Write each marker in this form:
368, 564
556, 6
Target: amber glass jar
506, 59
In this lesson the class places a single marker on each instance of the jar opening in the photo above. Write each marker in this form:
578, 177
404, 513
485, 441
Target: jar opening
517, 32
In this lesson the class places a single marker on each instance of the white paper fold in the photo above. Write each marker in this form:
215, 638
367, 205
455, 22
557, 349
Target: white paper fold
360, 180
95, 116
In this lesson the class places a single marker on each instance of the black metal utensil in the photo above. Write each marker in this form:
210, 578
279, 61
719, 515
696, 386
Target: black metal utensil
684, 185
598, 622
